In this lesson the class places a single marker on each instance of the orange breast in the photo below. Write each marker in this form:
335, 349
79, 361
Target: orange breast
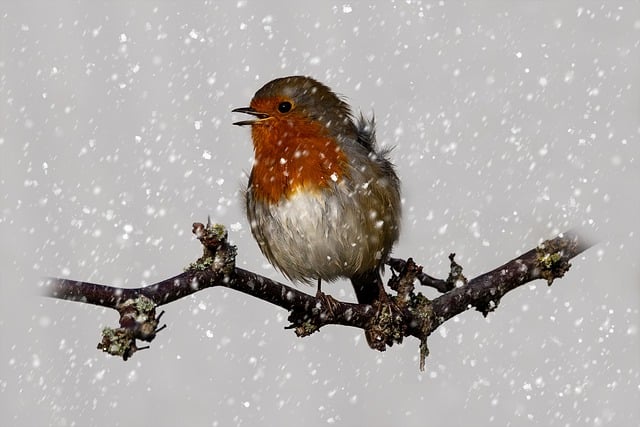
294, 155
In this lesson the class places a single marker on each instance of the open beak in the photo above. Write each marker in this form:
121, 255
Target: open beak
248, 110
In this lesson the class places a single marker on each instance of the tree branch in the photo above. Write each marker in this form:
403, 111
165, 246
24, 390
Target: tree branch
408, 313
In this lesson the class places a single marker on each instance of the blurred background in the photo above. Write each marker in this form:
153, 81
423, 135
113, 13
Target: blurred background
512, 121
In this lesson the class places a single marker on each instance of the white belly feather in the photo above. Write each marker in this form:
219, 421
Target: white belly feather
309, 237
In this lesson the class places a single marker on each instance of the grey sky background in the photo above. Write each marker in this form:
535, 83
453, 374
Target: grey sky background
512, 121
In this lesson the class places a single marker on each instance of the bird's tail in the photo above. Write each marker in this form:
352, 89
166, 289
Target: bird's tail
369, 289
368, 286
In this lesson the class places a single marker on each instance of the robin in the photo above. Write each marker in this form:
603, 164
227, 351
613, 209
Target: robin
323, 201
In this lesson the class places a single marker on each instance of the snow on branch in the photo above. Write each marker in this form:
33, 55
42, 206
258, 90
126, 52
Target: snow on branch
407, 313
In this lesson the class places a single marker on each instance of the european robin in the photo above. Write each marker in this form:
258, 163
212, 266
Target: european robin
323, 201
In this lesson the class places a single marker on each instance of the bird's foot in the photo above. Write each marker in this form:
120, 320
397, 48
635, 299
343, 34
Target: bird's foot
326, 304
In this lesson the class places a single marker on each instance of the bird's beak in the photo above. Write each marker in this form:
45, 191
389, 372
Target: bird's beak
248, 110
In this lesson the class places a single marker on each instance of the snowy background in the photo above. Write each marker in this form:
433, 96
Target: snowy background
513, 121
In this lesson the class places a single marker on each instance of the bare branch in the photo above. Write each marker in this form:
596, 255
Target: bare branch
385, 322
425, 280
550, 260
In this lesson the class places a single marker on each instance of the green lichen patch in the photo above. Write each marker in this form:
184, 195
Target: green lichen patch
201, 264
217, 253
117, 342
550, 261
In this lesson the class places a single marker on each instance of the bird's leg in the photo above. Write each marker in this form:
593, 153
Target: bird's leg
327, 302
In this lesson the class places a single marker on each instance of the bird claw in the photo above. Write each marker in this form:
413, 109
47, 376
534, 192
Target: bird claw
326, 304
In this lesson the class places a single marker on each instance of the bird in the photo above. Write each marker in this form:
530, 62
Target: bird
323, 201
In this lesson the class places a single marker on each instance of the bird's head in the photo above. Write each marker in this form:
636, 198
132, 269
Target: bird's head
298, 107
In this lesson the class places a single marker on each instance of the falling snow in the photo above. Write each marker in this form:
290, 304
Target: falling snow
509, 122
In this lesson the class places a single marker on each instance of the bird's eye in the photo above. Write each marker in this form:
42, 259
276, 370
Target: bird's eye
284, 107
